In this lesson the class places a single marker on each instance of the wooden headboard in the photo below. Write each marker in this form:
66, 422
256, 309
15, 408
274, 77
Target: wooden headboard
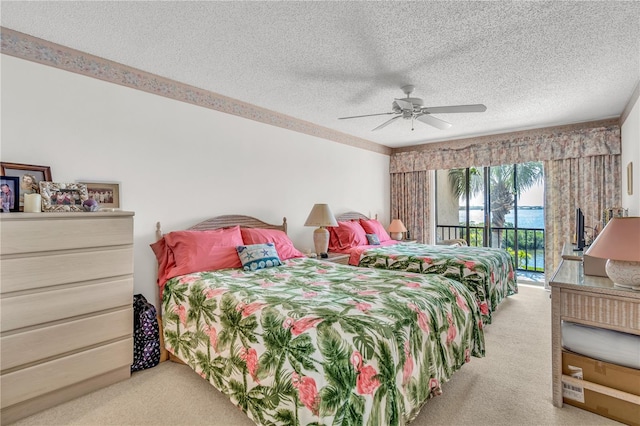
352, 216
229, 220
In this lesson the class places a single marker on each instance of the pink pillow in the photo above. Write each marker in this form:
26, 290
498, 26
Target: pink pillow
213, 259
334, 243
350, 234
188, 261
196, 251
166, 261
372, 226
224, 237
283, 244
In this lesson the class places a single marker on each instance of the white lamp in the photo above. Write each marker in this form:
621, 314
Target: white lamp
619, 242
321, 216
396, 228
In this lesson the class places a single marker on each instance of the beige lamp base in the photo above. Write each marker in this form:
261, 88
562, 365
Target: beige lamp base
624, 274
321, 240
396, 236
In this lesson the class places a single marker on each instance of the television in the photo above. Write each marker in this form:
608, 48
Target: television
580, 243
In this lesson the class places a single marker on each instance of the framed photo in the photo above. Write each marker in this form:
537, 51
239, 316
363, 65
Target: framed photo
63, 197
107, 194
29, 175
9, 193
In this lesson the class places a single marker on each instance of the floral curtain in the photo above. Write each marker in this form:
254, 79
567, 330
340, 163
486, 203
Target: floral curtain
410, 197
517, 148
591, 183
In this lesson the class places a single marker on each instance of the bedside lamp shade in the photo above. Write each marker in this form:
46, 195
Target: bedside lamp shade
396, 228
321, 216
619, 242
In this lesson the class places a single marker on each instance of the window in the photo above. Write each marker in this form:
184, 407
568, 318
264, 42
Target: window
498, 206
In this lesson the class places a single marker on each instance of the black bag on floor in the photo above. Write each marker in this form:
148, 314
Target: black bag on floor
146, 337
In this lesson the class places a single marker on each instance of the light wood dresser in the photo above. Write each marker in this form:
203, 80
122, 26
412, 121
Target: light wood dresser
66, 296
593, 301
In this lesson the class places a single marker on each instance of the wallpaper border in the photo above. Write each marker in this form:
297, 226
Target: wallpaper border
37, 50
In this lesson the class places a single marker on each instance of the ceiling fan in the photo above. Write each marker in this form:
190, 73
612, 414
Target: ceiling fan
412, 108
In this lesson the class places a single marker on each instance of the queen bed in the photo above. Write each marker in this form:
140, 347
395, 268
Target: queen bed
302, 341
487, 272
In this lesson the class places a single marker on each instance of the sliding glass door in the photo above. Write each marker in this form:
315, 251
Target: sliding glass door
499, 206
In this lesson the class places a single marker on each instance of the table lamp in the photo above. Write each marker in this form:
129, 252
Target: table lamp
396, 228
619, 242
322, 217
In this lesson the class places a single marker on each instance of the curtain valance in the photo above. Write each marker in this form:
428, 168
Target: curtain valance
584, 142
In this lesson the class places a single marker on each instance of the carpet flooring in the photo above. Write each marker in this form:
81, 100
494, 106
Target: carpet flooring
510, 386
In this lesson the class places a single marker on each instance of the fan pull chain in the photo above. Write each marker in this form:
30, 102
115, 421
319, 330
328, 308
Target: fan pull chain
412, 123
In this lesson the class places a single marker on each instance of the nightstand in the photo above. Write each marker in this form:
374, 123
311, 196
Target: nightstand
342, 258
593, 301
409, 241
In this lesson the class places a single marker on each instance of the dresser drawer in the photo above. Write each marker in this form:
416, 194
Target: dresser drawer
47, 342
53, 232
50, 376
38, 308
24, 273
616, 313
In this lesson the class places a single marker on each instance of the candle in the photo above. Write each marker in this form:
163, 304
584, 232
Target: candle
32, 203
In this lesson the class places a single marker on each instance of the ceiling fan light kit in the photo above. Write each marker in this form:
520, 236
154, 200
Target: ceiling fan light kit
413, 109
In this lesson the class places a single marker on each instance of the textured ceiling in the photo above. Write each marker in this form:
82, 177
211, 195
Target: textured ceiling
533, 64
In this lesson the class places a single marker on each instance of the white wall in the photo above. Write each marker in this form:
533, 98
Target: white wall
630, 132
178, 163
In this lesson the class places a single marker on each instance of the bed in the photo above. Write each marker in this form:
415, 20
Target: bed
487, 272
310, 341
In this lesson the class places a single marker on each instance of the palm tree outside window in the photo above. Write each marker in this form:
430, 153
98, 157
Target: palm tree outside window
481, 205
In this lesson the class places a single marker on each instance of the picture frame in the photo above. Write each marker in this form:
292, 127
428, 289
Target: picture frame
107, 194
29, 175
630, 178
63, 197
9, 194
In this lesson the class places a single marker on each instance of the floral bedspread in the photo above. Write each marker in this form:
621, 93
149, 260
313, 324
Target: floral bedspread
313, 342
487, 272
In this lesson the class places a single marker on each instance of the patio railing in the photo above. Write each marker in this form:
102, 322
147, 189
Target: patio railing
526, 246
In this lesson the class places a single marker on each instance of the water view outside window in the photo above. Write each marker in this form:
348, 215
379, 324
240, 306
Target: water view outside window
500, 206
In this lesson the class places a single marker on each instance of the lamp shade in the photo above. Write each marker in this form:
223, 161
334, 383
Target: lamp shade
321, 215
397, 226
619, 240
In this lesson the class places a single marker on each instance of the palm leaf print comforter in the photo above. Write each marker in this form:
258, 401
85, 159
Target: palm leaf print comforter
317, 343
487, 272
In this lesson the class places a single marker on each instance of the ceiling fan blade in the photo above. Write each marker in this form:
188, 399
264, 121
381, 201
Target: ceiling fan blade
404, 105
432, 121
367, 115
454, 108
386, 123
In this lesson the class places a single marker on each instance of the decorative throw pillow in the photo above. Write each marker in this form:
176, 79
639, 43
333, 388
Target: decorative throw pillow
258, 256
283, 244
373, 239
